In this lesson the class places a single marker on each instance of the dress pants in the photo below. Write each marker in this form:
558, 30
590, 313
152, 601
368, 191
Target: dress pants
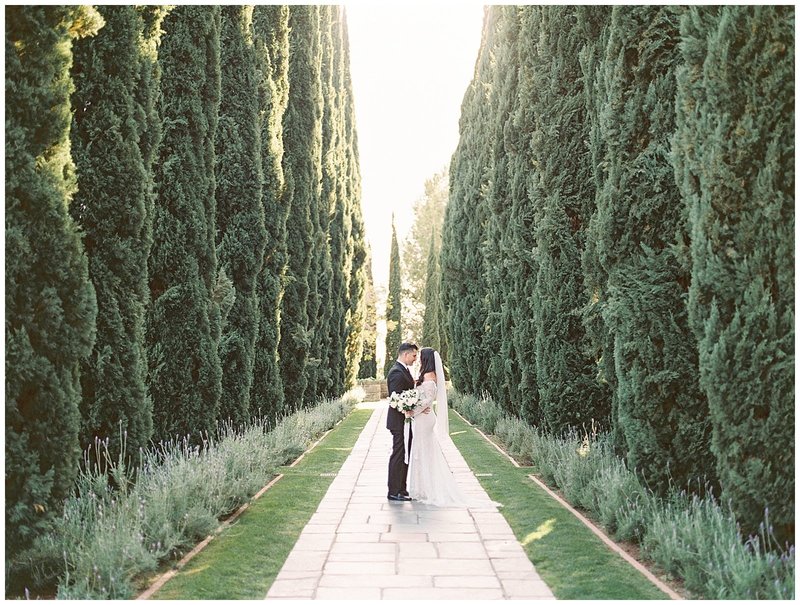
398, 469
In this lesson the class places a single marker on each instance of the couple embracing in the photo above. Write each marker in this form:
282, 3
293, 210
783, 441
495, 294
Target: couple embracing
417, 466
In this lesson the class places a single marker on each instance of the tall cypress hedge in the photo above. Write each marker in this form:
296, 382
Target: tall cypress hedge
394, 319
520, 352
114, 209
183, 320
600, 340
340, 226
360, 327
241, 232
503, 98
302, 138
271, 42
637, 191
568, 392
734, 155
661, 410
320, 277
463, 271
50, 301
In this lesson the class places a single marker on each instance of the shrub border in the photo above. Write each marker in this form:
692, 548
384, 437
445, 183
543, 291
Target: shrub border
596, 530
169, 574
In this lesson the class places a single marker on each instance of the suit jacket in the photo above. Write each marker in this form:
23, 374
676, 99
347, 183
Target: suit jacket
398, 380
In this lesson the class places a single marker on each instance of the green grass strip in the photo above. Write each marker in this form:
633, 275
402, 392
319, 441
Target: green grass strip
243, 561
573, 561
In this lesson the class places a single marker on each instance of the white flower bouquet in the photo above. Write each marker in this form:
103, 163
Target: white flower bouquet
405, 401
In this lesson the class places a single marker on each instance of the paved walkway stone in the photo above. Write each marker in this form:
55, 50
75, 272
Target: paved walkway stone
358, 545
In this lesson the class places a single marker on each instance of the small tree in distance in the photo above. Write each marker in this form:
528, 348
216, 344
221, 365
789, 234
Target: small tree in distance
393, 300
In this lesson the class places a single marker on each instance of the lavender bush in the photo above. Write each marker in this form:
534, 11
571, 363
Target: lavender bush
694, 537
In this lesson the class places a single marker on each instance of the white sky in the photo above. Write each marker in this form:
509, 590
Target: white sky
411, 64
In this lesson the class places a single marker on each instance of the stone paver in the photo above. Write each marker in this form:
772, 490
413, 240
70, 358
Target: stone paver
358, 545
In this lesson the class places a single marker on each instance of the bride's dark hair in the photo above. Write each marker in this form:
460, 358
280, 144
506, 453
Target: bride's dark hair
427, 363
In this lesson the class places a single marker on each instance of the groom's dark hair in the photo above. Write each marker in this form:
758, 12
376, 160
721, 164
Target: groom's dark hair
406, 346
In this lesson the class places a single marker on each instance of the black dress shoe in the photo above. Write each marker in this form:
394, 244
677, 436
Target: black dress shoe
404, 493
398, 498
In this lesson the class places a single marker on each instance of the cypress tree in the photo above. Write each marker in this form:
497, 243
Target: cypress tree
600, 340
361, 327
340, 223
734, 157
358, 325
302, 136
108, 122
146, 95
183, 321
431, 325
521, 235
562, 188
50, 301
271, 42
241, 233
661, 410
499, 327
320, 278
368, 365
394, 326
463, 273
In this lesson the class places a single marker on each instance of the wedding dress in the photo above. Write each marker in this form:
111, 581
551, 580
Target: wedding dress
430, 480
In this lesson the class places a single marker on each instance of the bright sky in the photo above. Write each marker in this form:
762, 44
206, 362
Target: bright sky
411, 63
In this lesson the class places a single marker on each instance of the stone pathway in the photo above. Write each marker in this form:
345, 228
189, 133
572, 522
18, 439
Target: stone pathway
358, 545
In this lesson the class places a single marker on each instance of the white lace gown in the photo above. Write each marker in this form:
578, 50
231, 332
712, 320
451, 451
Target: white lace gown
430, 480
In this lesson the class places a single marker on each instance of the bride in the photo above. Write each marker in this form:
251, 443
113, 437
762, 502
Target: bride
430, 480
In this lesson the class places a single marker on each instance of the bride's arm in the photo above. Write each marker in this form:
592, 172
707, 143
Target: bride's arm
427, 397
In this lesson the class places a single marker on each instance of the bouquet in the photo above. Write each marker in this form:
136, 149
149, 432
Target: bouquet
405, 401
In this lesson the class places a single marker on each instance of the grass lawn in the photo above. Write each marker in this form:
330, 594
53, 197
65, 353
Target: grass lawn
243, 561
573, 562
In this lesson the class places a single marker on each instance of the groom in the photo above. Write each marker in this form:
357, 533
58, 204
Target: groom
398, 380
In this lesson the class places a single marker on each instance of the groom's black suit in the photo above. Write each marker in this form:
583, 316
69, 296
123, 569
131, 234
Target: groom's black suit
398, 380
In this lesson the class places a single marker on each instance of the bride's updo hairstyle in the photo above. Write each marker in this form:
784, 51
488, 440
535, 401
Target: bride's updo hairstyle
427, 363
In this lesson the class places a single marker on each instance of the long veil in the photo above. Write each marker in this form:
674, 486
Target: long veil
442, 420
